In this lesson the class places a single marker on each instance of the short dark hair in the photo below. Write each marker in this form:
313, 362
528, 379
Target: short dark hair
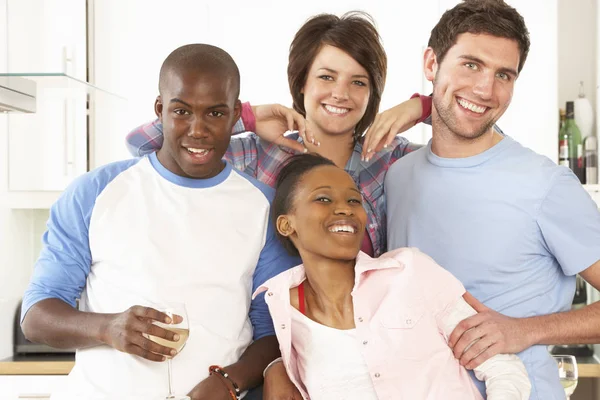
493, 17
356, 34
203, 58
285, 188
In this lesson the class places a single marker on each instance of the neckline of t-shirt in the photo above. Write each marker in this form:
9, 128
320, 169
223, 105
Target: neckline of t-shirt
473, 161
308, 321
189, 182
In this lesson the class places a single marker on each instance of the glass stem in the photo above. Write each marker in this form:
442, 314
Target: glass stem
171, 395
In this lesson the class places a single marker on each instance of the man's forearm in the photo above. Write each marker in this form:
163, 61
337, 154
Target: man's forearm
57, 324
571, 327
247, 372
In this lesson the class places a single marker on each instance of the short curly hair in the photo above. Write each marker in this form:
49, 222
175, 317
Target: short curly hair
493, 17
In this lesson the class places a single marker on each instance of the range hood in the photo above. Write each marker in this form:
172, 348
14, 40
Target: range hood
17, 94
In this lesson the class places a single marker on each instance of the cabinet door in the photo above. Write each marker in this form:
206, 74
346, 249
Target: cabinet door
15, 387
48, 149
47, 36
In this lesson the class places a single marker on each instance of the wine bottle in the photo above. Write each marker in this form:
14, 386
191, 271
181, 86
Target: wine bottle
570, 136
584, 113
590, 148
563, 140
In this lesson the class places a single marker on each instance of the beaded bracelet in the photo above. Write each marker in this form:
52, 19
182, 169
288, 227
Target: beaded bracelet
235, 394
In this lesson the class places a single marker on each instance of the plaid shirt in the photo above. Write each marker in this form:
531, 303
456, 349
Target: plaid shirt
262, 160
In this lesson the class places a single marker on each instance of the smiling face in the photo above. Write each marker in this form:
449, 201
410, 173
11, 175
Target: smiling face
197, 111
473, 85
327, 218
336, 92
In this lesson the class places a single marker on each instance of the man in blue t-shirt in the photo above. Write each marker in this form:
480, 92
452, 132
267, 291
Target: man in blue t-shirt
179, 226
513, 226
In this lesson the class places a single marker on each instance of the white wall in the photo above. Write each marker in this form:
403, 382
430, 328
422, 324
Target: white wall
532, 117
257, 35
577, 49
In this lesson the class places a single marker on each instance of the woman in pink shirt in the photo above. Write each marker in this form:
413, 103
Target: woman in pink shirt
354, 327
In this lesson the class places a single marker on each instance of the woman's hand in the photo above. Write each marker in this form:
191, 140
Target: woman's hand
390, 123
274, 120
278, 385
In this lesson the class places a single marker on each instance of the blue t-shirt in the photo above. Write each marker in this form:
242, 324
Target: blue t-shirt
133, 233
510, 224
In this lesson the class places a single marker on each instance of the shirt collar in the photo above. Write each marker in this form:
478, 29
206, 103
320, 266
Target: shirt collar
294, 276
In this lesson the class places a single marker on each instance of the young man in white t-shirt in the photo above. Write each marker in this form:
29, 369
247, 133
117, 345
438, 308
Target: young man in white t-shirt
181, 226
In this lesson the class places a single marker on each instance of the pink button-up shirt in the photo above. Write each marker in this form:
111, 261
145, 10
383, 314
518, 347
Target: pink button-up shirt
400, 303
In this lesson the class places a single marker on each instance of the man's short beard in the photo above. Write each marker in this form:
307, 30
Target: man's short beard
447, 118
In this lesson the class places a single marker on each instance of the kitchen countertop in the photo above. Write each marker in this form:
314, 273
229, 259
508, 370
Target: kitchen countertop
39, 364
61, 364
588, 367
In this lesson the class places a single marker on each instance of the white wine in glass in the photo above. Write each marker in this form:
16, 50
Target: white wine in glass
178, 314
183, 333
567, 372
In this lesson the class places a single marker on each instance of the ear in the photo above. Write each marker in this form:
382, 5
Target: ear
158, 107
430, 64
284, 226
237, 110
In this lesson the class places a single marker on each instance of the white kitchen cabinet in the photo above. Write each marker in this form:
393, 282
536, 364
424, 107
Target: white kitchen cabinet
13, 387
47, 36
48, 149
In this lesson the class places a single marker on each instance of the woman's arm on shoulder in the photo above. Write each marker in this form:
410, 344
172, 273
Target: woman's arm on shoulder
390, 123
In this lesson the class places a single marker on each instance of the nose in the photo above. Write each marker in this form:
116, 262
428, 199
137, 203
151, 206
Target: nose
342, 208
198, 128
340, 92
484, 86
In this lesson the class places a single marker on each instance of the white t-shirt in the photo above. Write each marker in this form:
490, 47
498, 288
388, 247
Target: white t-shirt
133, 233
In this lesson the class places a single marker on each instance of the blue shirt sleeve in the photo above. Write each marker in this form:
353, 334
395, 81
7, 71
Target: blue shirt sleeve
65, 260
570, 224
273, 260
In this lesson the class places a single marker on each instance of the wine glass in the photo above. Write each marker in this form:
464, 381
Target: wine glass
567, 372
179, 325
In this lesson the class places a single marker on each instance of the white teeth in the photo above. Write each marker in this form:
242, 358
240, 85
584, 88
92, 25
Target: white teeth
336, 110
342, 228
471, 106
197, 151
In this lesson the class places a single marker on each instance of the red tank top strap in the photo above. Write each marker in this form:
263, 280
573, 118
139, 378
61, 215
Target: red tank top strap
301, 298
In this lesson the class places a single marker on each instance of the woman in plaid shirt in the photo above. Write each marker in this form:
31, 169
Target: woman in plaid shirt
336, 73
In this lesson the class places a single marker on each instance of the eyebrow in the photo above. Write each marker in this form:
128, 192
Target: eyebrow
353, 76
177, 100
329, 187
480, 61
